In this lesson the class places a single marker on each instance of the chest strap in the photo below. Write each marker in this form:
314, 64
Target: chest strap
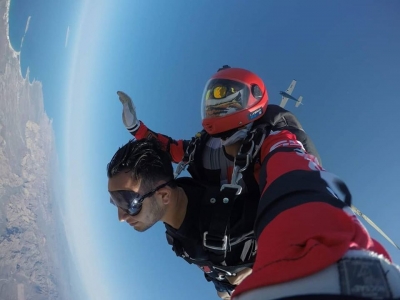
210, 267
216, 234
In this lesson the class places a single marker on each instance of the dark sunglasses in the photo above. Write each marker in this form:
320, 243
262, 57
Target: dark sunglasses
130, 201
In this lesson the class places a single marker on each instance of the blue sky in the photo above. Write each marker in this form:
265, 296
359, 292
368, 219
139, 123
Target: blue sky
344, 58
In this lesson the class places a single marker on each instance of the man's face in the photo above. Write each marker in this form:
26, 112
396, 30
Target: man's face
152, 209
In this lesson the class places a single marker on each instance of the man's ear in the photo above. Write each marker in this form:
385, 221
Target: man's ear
165, 193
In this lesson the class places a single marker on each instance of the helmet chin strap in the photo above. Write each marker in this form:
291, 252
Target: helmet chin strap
237, 136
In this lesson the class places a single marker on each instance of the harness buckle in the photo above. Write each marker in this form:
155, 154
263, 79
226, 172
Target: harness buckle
226, 273
232, 186
224, 244
247, 157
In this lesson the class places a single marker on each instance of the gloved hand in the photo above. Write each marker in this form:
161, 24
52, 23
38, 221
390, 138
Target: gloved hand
129, 118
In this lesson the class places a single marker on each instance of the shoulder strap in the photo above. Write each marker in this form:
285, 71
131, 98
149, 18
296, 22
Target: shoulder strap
191, 157
248, 151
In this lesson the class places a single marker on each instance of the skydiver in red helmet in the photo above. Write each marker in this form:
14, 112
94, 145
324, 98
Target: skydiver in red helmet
309, 242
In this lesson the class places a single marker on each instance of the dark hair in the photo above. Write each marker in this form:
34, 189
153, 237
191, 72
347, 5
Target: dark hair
145, 159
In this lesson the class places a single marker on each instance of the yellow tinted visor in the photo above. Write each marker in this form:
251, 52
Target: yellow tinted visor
219, 92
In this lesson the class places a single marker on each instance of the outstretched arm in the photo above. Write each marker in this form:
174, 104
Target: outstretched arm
139, 130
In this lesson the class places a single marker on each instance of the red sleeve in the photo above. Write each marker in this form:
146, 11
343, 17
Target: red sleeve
277, 144
303, 222
176, 148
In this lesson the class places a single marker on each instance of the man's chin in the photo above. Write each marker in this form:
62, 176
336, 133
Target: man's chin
141, 228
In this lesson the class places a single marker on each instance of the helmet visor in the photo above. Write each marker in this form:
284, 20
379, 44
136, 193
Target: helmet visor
222, 97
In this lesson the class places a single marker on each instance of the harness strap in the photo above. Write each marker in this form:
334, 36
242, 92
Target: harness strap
208, 266
248, 152
216, 237
188, 157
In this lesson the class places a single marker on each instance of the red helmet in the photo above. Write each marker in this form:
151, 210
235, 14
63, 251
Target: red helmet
232, 98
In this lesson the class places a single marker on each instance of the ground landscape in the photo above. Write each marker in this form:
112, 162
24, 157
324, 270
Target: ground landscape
35, 262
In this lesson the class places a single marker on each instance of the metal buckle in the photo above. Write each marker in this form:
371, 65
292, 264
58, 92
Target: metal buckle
227, 273
248, 160
224, 241
232, 186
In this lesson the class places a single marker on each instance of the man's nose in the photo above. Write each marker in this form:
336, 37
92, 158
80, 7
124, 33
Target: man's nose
122, 215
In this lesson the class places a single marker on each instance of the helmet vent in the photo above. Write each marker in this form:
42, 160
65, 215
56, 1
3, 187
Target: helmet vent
256, 91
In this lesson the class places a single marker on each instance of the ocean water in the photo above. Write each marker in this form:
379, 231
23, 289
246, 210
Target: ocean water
43, 49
